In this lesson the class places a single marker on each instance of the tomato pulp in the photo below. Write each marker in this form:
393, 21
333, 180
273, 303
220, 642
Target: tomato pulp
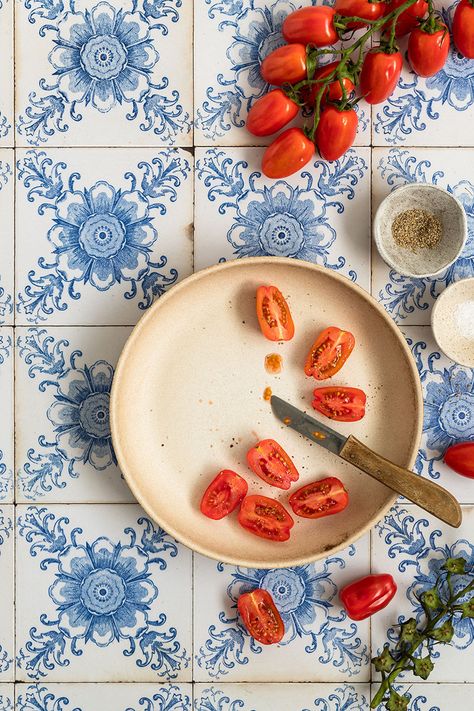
266, 518
368, 595
340, 403
223, 494
261, 617
329, 353
274, 314
271, 463
321, 498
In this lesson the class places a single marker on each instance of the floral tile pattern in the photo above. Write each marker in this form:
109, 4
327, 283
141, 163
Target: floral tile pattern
113, 232
92, 72
281, 697
7, 574
6, 415
410, 300
320, 643
7, 694
7, 166
6, 75
107, 607
239, 214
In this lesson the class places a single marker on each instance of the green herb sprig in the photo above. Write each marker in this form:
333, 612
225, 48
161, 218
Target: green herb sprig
441, 606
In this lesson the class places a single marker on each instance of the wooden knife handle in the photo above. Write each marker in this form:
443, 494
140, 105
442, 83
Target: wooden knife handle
425, 493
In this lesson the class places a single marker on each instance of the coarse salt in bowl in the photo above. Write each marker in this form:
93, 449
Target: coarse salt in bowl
424, 262
452, 320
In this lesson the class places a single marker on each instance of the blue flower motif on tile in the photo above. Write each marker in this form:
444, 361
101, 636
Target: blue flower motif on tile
102, 592
304, 597
421, 556
256, 32
448, 415
6, 703
6, 301
344, 698
216, 700
6, 474
6, 530
102, 58
419, 98
100, 236
281, 220
403, 295
39, 698
79, 412
166, 699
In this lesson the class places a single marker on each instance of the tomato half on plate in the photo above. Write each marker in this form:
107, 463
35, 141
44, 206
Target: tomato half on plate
274, 314
321, 498
260, 616
341, 404
271, 463
223, 494
265, 518
329, 353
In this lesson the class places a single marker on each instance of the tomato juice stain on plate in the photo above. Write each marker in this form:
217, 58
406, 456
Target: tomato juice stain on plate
273, 363
267, 394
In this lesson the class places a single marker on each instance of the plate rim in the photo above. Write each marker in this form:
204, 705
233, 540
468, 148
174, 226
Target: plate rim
121, 369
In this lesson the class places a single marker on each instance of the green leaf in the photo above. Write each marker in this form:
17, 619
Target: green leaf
409, 632
431, 599
397, 702
423, 667
455, 565
444, 633
384, 662
468, 608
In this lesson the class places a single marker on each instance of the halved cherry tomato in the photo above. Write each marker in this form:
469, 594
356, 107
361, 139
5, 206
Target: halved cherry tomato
311, 25
463, 28
274, 314
409, 18
270, 113
427, 53
336, 132
285, 65
321, 498
260, 616
271, 463
288, 154
460, 457
329, 353
341, 404
266, 518
368, 9
368, 595
334, 90
223, 494
380, 74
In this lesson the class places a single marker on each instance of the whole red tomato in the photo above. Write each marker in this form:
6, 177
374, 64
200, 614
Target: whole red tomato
333, 91
286, 64
408, 20
311, 25
360, 8
380, 74
460, 457
368, 595
463, 28
270, 113
336, 132
427, 53
288, 153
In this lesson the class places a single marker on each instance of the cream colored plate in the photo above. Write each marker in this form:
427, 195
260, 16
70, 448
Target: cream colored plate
187, 401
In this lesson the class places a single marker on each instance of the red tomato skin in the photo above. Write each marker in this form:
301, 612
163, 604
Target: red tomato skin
427, 53
351, 400
270, 113
266, 518
379, 76
267, 298
460, 457
270, 462
360, 8
408, 20
288, 154
331, 338
311, 25
336, 132
232, 485
286, 64
366, 596
463, 28
320, 498
258, 610
334, 91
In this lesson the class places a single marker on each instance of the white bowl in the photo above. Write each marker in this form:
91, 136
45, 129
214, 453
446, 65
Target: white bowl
424, 262
452, 320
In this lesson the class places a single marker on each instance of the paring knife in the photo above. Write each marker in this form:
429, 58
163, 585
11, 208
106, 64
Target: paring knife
425, 493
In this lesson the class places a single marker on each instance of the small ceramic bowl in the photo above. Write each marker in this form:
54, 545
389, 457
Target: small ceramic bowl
424, 262
452, 320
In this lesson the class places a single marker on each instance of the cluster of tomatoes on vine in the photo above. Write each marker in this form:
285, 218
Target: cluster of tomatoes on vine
328, 90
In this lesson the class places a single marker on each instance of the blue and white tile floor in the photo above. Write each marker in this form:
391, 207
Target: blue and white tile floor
92, 592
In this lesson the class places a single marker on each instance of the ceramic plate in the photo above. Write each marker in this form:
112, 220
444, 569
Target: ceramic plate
187, 401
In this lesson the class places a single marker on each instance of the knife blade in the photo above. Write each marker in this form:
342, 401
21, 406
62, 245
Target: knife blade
430, 496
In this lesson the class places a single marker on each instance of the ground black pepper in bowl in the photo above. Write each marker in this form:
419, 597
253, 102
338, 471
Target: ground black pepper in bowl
417, 229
